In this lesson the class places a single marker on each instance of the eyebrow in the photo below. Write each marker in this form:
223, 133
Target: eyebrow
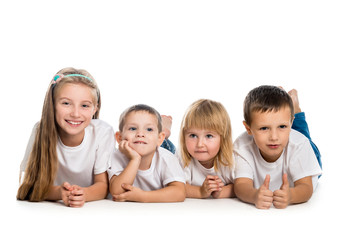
66, 98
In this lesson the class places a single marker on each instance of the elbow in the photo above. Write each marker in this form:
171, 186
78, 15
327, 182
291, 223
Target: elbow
114, 188
182, 196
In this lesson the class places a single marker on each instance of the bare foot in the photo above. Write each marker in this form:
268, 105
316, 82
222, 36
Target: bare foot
167, 122
294, 95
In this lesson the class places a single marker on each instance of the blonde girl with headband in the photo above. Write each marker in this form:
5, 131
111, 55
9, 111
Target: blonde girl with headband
70, 149
206, 150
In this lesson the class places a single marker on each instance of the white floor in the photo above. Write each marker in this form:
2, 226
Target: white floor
206, 219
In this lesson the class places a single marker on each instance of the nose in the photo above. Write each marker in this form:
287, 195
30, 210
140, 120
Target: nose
75, 112
274, 135
140, 133
200, 142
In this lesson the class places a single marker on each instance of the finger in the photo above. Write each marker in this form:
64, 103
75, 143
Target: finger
285, 183
266, 183
67, 186
119, 198
76, 203
127, 187
77, 192
279, 193
76, 198
280, 205
210, 177
212, 188
279, 199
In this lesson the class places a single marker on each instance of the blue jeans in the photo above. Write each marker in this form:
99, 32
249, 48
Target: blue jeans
168, 145
301, 126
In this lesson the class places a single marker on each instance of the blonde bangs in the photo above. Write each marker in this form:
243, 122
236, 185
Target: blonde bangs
211, 115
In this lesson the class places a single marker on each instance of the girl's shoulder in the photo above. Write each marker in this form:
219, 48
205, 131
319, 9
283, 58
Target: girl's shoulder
98, 124
100, 130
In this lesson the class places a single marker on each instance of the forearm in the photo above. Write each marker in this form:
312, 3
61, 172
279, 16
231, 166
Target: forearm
127, 176
193, 191
96, 191
171, 193
301, 193
227, 191
54, 193
245, 192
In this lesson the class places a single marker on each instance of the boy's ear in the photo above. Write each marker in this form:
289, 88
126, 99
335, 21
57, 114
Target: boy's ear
118, 137
248, 128
161, 138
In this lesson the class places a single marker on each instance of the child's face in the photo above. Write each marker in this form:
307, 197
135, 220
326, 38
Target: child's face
142, 133
74, 109
203, 145
271, 131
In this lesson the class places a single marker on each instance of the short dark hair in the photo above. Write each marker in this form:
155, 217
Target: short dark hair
265, 99
138, 108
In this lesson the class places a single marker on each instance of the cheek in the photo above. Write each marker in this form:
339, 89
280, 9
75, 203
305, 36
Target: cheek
190, 145
215, 146
58, 113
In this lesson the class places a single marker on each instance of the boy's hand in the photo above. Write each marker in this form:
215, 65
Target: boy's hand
131, 193
264, 197
130, 153
282, 196
211, 184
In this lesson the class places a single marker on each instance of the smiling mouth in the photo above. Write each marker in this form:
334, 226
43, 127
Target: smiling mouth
73, 123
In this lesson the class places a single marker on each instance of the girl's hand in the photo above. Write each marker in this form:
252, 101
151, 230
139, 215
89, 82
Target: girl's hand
211, 184
132, 194
130, 153
220, 183
77, 197
65, 189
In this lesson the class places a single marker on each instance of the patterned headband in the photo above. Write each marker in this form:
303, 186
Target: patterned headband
58, 77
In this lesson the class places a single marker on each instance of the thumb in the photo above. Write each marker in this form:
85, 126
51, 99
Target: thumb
267, 181
285, 183
127, 187
67, 186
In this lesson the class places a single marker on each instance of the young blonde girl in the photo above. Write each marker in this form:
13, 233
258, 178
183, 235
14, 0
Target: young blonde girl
207, 151
69, 150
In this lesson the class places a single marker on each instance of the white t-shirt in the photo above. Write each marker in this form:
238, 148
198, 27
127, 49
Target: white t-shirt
78, 165
297, 160
164, 169
196, 174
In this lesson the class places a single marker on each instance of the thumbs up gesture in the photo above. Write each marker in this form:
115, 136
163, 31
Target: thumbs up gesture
282, 196
264, 196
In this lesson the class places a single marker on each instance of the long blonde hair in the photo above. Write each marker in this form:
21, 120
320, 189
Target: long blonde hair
208, 114
42, 164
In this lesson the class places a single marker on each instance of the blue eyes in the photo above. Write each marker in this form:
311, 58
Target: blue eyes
266, 128
83, 105
147, 129
192, 135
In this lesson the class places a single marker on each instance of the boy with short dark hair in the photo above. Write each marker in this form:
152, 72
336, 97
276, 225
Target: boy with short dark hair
274, 163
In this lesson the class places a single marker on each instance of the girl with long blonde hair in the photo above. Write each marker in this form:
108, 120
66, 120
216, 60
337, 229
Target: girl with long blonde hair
206, 150
70, 149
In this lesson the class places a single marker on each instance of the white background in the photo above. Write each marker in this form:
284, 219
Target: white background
168, 54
